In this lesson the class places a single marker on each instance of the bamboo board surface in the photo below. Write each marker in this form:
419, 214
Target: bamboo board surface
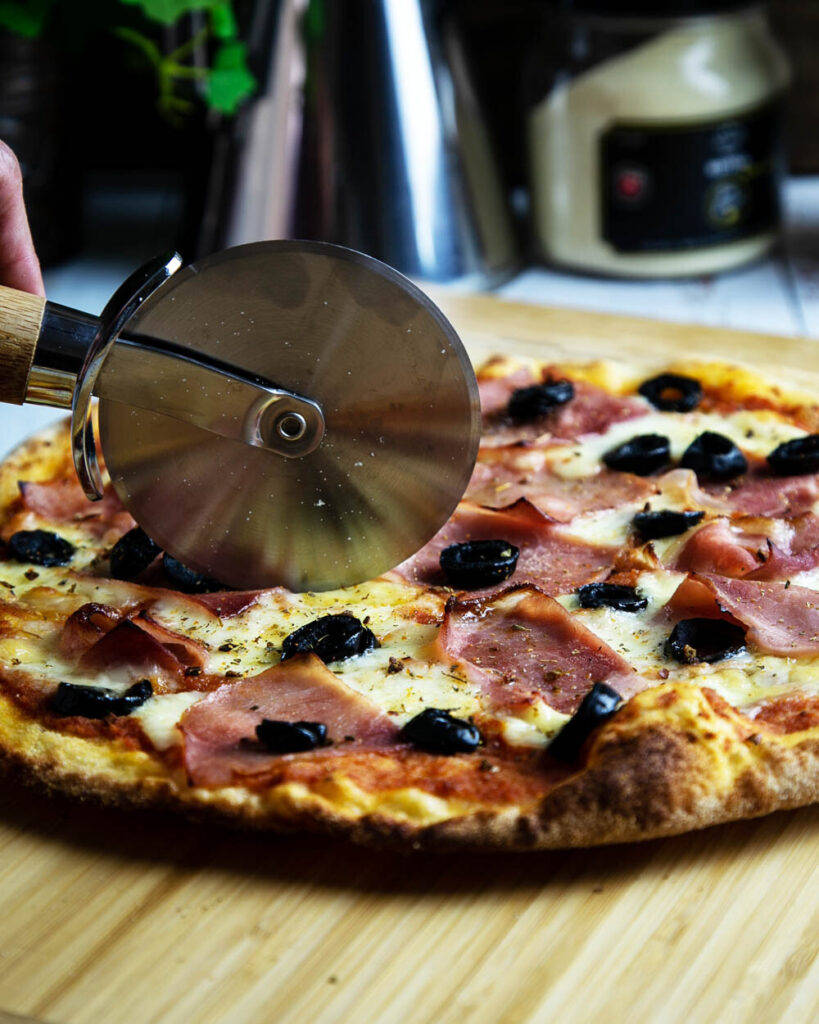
115, 917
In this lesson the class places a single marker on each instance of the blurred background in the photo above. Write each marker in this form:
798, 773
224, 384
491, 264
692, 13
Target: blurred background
657, 159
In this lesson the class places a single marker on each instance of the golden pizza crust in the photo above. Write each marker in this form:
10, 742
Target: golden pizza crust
41, 457
656, 769
732, 382
674, 758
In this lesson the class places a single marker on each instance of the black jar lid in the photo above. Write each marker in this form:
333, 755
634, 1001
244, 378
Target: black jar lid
655, 8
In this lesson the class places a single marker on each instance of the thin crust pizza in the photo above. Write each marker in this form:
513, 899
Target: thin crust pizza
615, 636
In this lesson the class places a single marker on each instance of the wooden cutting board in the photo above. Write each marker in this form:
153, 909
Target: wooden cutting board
115, 917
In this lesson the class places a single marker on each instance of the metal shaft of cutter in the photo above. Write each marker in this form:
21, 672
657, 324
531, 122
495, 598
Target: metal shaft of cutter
159, 377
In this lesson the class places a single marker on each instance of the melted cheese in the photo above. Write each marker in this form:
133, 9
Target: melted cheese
756, 433
809, 579
534, 726
637, 636
88, 550
611, 526
159, 717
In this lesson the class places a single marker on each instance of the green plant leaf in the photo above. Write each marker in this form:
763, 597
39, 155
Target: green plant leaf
169, 11
230, 81
223, 21
25, 17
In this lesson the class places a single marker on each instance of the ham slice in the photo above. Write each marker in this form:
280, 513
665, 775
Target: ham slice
504, 475
227, 603
797, 552
63, 501
752, 548
591, 411
549, 558
524, 644
220, 730
84, 627
495, 392
780, 619
723, 548
89, 625
188, 652
759, 492
132, 651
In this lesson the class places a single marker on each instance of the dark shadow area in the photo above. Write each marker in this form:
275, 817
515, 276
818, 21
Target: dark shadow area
130, 216
138, 835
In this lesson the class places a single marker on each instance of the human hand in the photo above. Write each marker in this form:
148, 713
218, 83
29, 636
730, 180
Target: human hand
19, 266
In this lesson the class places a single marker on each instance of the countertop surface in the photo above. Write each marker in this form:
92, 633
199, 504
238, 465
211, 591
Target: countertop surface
122, 916
776, 295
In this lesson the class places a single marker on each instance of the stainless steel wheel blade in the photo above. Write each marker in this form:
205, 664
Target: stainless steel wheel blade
400, 406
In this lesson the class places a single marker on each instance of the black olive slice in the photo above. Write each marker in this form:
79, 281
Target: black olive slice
641, 455
664, 523
694, 640
40, 547
87, 701
714, 457
528, 404
187, 580
97, 701
611, 595
135, 696
672, 392
597, 707
332, 638
479, 563
132, 553
439, 732
801, 455
290, 737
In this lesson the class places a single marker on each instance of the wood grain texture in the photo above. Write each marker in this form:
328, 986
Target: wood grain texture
122, 917
21, 315
487, 326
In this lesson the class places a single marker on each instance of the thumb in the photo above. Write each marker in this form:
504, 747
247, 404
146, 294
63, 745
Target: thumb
19, 266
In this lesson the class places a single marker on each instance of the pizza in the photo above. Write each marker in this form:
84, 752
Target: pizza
614, 637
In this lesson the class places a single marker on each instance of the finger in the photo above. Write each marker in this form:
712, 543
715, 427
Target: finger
19, 266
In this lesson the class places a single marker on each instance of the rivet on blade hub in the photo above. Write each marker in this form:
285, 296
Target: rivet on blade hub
291, 426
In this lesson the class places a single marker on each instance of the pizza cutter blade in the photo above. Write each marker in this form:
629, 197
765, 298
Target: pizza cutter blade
287, 413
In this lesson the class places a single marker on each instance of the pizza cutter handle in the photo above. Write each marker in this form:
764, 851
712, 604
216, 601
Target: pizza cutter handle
21, 316
42, 348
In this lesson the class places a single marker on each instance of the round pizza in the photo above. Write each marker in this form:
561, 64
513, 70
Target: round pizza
614, 637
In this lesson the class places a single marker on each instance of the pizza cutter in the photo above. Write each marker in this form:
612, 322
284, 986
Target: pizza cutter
283, 412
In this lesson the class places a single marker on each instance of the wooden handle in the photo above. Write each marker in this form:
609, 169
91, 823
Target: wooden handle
21, 316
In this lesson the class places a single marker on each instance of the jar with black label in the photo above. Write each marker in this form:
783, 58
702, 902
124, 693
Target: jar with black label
656, 148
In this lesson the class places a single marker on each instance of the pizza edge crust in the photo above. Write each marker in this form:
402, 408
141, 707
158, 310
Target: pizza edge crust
733, 380
37, 458
654, 770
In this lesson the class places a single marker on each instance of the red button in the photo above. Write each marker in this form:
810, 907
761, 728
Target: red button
630, 184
